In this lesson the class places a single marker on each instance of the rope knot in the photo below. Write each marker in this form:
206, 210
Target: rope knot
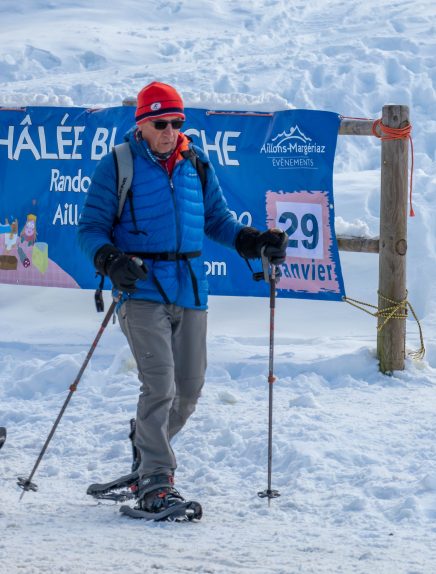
396, 310
379, 130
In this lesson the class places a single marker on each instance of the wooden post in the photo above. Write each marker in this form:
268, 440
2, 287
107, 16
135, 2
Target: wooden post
358, 244
129, 102
391, 340
354, 127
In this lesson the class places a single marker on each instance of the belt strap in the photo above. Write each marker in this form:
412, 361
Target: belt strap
167, 256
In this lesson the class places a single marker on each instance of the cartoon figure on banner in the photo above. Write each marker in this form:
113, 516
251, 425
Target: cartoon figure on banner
28, 233
10, 232
9, 237
38, 254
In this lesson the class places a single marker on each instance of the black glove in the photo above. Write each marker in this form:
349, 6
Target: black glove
123, 270
250, 241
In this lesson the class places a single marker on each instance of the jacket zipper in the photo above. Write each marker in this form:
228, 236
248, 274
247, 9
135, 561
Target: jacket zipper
177, 222
173, 197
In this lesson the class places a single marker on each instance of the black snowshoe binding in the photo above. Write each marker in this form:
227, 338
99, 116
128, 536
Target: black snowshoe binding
122, 488
158, 500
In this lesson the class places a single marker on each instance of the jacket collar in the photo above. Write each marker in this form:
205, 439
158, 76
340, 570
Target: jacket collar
140, 147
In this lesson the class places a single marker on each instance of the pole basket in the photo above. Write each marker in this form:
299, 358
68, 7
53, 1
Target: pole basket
268, 493
26, 484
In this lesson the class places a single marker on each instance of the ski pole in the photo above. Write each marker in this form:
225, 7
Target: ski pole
3, 434
270, 275
26, 483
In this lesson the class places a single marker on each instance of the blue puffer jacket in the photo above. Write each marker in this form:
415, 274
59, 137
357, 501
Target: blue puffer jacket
171, 216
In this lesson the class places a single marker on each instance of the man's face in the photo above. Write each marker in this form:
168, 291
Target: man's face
160, 141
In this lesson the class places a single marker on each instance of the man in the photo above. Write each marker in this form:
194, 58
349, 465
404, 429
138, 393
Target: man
152, 254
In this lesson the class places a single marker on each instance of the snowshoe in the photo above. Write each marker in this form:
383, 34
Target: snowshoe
119, 490
113, 490
158, 500
182, 512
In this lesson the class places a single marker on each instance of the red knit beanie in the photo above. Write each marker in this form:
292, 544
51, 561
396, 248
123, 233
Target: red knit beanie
158, 100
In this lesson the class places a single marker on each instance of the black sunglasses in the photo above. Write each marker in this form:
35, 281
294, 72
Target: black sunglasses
162, 124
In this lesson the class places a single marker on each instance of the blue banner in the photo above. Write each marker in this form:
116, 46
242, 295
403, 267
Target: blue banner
275, 170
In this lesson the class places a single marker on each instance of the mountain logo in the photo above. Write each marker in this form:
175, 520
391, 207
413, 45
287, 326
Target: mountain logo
294, 133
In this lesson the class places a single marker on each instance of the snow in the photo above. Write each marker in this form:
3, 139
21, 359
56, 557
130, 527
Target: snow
354, 454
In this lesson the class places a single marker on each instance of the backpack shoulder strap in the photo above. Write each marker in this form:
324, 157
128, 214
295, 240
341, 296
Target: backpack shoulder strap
199, 166
124, 172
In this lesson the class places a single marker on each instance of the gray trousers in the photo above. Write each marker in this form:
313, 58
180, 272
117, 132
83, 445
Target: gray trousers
168, 343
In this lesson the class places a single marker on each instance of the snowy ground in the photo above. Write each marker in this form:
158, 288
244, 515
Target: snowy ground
354, 451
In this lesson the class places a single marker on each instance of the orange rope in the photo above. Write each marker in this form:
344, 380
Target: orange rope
386, 133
